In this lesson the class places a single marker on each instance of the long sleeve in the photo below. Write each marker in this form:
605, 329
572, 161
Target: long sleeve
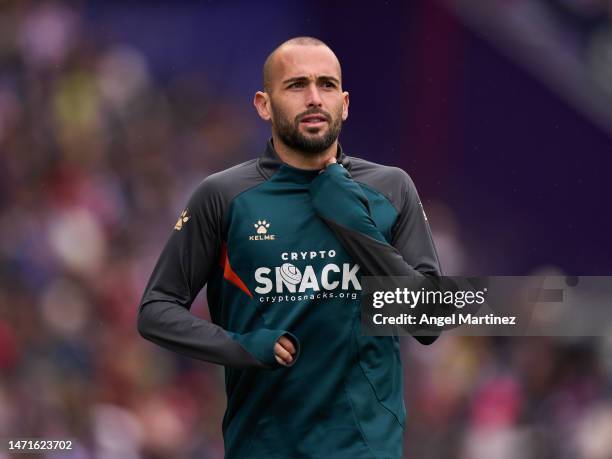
342, 204
183, 268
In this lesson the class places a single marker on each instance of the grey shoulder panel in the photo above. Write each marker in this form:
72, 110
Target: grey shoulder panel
231, 182
185, 265
214, 194
388, 180
211, 198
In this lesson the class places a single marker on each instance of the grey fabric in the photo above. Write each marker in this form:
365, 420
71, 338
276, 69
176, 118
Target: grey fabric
185, 265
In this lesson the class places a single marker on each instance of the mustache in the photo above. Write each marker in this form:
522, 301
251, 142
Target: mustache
313, 112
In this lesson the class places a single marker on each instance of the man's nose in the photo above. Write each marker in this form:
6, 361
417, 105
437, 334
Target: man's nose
313, 97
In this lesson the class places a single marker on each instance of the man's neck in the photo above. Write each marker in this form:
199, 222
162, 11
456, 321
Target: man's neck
301, 160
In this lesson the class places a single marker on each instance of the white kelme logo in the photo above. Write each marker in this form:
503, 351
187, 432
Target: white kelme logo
261, 227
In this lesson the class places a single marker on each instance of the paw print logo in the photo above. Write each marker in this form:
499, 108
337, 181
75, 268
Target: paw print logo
183, 218
261, 226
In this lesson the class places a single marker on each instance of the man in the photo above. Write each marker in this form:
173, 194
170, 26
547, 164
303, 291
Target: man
281, 241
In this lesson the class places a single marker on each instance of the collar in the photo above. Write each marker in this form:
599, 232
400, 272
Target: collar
269, 162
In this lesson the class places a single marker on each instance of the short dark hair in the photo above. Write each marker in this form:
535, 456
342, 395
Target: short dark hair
302, 41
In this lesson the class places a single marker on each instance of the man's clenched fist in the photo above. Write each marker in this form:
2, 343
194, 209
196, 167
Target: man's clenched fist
284, 350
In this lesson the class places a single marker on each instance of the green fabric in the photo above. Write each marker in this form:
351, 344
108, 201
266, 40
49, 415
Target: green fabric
342, 398
261, 343
337, 197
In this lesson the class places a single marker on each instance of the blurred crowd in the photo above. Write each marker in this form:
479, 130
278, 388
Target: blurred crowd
97, 158
96, 161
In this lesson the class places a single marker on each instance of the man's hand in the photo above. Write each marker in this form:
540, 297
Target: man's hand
284, 350
328, 162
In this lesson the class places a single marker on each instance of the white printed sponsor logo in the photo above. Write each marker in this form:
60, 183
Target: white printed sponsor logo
289, 278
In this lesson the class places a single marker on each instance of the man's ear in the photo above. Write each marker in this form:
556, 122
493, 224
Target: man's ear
262, 105
345, 105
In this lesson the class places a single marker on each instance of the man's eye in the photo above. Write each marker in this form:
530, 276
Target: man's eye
297, 84
329, 84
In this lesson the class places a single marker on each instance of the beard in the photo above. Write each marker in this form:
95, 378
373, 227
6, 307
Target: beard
289, 131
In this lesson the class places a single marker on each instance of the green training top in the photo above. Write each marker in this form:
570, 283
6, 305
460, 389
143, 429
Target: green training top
282, 251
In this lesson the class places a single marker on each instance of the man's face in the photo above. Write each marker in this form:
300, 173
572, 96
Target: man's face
306, 99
